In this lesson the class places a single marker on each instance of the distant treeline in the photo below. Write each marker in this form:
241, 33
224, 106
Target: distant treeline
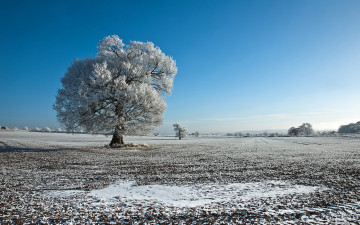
350, 128
303, 130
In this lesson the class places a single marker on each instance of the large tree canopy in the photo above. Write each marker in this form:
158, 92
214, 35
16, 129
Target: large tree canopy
120, 91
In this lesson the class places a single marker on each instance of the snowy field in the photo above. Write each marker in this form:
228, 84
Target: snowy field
50, 178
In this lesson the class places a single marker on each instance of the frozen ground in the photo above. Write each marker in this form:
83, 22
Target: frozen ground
63, 178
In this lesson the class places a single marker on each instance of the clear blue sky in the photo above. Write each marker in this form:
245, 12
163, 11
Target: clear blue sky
242, 65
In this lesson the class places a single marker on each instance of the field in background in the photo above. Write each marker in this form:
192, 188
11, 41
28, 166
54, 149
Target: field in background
63, 178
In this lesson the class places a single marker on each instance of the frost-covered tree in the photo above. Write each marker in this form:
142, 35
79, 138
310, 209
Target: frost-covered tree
180, 131
26, 129
58, 130
350, 128
304, 129
197, 134
293, 131
120, 91
36, 129
46, 129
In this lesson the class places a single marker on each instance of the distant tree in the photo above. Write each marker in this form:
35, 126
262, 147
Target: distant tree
26, 129
197, 134
304, 129
46, 129
58, 130
327, 133
36, 129
120, 91
293, 131
238, 134
156, 133
273, 134
16, 129
350, 128
180, 131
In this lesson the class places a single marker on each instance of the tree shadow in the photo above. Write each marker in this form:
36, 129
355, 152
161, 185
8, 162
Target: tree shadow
19, 149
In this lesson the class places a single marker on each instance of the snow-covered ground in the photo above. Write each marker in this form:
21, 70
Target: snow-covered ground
54, 139
190, 195
81, 140
64, 178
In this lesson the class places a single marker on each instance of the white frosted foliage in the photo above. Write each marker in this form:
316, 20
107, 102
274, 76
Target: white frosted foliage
121, 89
46, 129
180, 130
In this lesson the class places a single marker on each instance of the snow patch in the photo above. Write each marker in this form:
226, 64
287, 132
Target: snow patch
198, 195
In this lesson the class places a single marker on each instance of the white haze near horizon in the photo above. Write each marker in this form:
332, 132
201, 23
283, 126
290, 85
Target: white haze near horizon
321, 120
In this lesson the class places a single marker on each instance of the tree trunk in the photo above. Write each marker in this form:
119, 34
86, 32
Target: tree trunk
117, 138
